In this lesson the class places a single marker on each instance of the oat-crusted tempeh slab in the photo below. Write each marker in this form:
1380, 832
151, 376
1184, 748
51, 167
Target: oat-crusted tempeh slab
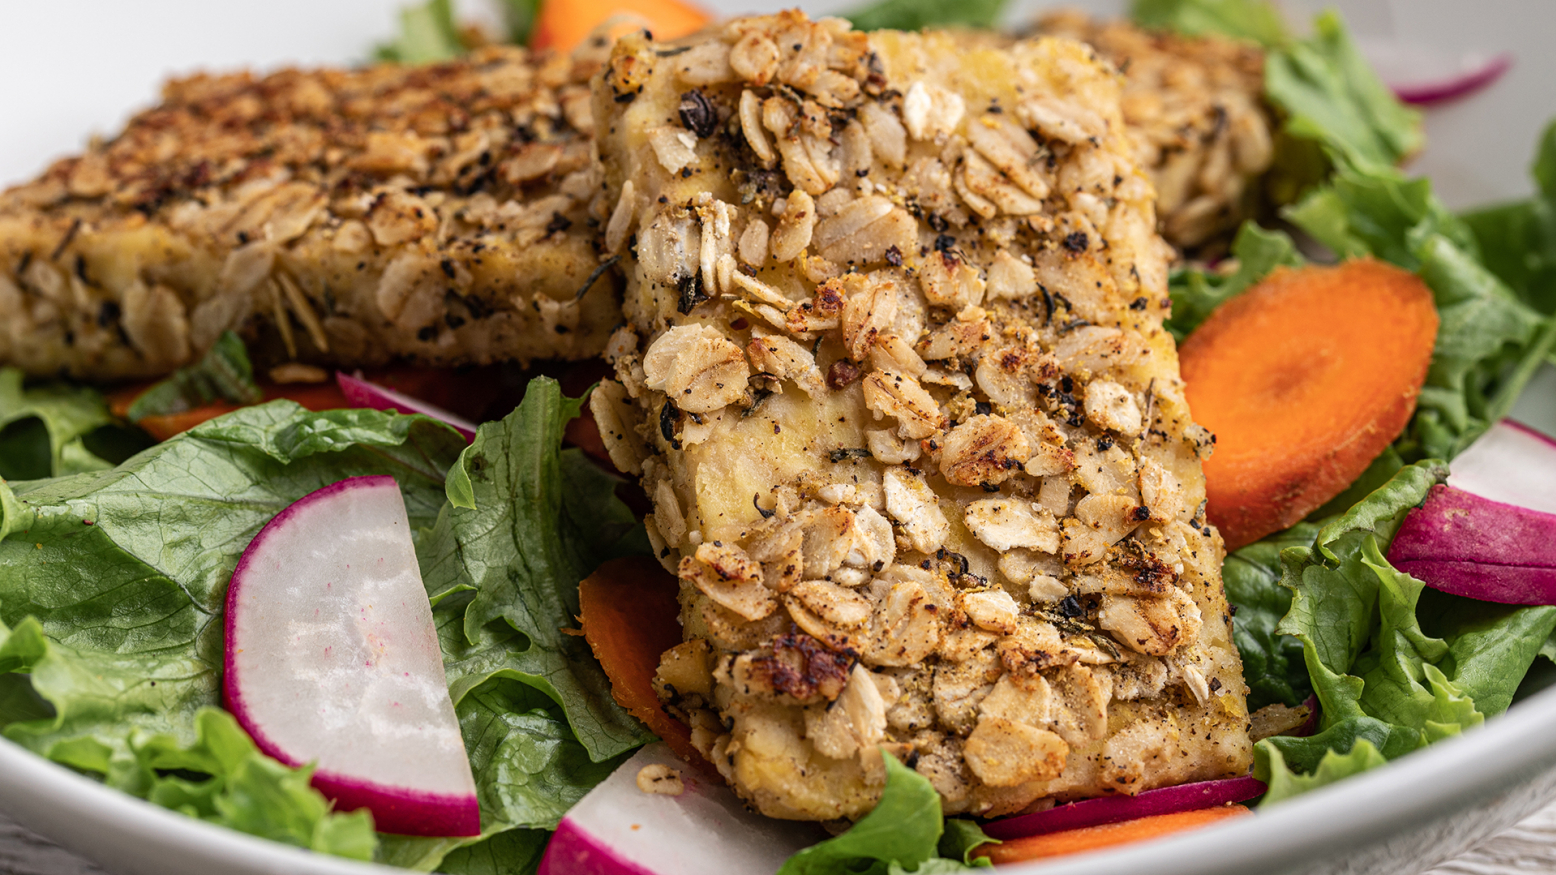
1196, 107
438, 214
896, 380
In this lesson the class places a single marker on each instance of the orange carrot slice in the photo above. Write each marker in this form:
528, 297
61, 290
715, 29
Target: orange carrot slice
563, 25
1304, 380
1091, 838
631, 615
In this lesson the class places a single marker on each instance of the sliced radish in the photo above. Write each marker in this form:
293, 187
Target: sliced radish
1511, 463
1112, 809
1423, 76
618, 829
365, 393
1490, 533
332, 658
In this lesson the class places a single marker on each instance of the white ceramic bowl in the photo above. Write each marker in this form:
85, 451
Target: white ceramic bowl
99, 59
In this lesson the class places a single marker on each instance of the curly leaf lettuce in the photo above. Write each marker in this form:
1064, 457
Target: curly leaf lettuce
1273, 664
1330, 95
51, 430
1197, 292
223, 374
904, 833
1393, 664
111, 591
520, 539
1518, 240
1271, 768
1254, 20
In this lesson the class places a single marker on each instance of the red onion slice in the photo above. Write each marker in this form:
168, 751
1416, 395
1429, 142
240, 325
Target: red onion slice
1112, 809
365, 393
1423, 76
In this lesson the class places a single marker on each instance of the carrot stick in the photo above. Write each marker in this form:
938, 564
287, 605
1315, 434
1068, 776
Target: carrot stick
630, 614
1091, 838
1304, 380
563, 25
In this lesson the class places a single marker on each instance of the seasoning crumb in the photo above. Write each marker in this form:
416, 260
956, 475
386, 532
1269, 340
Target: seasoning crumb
660, 779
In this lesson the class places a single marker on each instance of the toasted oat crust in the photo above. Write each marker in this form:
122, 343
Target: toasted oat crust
437, 214
896, 380
1196, 107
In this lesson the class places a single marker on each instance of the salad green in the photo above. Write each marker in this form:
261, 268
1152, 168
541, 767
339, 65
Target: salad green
1393, 666
112, 584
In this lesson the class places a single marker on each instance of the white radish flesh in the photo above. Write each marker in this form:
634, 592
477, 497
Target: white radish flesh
332, 658
618, 829
1511, 463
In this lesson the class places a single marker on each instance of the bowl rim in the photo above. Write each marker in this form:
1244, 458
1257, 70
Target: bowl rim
90, 817
1450, 775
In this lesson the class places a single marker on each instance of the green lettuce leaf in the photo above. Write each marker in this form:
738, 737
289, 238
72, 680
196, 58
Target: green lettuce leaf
902, 834
521, 549
48, 430
961, 838
113, 582
223, 374
1330, 95
1517, 240
1270, 767
1255, 20
428, 33
1196, 292
919, 14
1392, 663
515, 852
1273, 665
1378, 211
249, 791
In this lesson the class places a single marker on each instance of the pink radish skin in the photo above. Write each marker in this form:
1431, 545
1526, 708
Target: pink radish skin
1424, 76
1113, 809
332, 658
365, 393
619, 830
1466, 545
1454, 87
1490, 533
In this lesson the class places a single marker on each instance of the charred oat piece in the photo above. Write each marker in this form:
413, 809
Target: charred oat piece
932, 481
1196, 106
342, 217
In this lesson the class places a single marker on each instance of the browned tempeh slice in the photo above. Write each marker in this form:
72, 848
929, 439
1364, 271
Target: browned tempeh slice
1196, 107
896, 380
438, 214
